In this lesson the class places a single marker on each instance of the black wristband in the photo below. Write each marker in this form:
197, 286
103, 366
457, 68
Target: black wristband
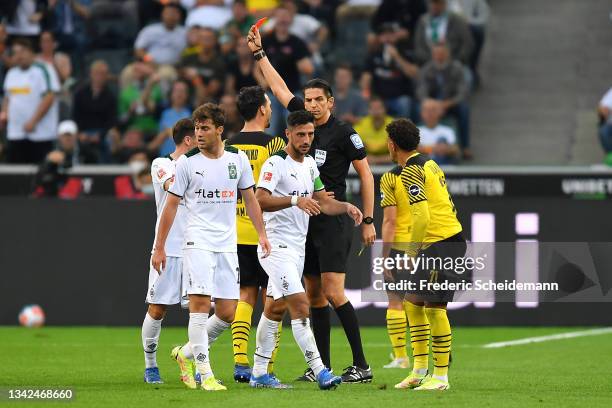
259, 55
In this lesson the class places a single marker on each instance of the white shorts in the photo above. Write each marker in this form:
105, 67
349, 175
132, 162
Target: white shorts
167, 288
214, 274
284, 267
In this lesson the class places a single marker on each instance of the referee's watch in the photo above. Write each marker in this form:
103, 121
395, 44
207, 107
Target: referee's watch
368, 220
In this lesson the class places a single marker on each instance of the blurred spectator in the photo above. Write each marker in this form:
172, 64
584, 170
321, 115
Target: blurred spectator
95, 110
26, 18
241, 71
209, 13
150, 10
68, 145
438, 141
69, 20
132, 143
205, 70
139, 185
233, 120
29, 106
261, 8
323, 11
440, 25
179, 108
193, 42
476, 12
605, 114
291, 58
349, 106
307, 28
238, 27
139, 98
372, 130
389, 72
54, 59
163, 42
404, 13
444, 80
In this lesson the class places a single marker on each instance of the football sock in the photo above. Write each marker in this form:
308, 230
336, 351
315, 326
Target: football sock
302, 333
396, 328
321, 328
214, 327
265, 340
150, 339
187, 351
275, 352
198, 337
419, 336
440, 341
348, 318
241, 328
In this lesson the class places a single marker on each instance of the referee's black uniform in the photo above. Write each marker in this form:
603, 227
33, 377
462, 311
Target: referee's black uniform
335, 146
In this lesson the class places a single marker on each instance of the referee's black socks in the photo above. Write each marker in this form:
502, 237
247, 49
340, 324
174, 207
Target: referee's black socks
321, 328
348, 318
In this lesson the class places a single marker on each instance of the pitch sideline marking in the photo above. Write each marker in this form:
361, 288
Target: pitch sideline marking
540, 339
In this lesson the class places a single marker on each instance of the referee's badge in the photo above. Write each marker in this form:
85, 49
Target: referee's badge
320, 156
357, 142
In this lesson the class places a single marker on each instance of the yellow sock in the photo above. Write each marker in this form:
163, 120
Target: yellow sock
241, 329
275, 352
440, 340
396, 328
419, 335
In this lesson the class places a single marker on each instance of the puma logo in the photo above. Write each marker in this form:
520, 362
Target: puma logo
201, 173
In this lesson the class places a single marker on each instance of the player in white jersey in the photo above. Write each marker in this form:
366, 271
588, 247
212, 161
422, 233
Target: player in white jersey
290, 192
165, 288
208, 179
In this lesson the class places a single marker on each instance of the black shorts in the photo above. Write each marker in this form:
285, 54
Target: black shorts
434, 267
251, 272
328, 244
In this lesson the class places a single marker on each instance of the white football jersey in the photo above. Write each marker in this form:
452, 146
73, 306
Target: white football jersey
209, 188
284, 177
162, 170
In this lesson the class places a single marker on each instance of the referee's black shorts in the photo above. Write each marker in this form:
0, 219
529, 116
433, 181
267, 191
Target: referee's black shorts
251, 272
429, 269
328, 244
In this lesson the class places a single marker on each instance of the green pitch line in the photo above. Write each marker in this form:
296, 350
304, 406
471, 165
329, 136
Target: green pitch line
104, 368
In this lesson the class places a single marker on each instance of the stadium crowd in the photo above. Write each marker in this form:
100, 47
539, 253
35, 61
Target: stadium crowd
103, 81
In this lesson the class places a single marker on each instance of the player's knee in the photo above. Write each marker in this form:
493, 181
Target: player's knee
335, 296
157, 312
274, 310
300, 308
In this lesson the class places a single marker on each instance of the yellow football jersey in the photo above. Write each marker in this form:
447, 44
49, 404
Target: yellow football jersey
258, 146
392, 193
424, 180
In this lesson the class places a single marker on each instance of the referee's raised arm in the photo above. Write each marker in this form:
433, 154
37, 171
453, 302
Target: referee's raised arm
272, 77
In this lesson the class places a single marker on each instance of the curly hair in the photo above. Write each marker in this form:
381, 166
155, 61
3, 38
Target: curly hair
209, 111
404, 134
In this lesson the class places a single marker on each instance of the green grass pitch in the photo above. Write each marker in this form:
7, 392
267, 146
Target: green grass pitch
104, 367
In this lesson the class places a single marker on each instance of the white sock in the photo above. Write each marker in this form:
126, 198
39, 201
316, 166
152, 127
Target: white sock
441, 377
187, 351
420, 371
215, 327
266, 341
198, 337
150, 339
302, 333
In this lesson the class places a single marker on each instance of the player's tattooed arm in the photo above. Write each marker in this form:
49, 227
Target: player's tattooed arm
254, 212
158, 260
272, 77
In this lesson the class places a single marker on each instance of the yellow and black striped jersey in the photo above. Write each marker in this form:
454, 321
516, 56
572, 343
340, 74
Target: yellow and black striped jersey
392, 193
424, 180
258, 146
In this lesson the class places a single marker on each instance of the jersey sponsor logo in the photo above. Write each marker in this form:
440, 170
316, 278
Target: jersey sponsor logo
215, 194
320, 156
267, 176
357, 142
231, 169
161, 173
414, 190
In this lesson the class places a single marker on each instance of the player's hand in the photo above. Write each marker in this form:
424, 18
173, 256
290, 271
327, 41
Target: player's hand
354, 213
309, 206
265, 246
368, 234
330, 194
29, 126
388, 274
254, 39
158, 260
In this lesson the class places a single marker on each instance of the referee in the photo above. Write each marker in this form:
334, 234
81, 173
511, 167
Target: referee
335, 148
